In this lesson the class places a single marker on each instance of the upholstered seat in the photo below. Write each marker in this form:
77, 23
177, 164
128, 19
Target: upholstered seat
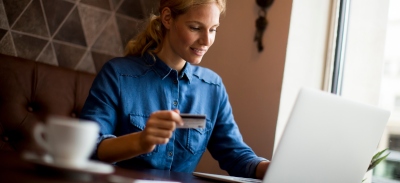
30, 91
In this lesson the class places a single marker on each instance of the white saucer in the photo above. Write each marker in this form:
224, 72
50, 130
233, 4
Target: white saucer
90, 167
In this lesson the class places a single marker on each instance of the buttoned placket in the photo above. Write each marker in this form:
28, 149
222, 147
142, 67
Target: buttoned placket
169, 153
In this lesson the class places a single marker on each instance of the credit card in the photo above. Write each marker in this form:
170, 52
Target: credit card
193, 121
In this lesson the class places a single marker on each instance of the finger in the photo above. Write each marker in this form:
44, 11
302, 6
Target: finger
169, 115
159, 133
180, 121
161, 124
156, 140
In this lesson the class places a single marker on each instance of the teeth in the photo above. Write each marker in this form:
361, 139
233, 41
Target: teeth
198, 51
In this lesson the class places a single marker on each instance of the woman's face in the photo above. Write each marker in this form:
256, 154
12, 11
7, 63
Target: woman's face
190, 35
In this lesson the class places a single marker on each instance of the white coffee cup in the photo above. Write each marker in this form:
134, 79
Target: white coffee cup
69, 141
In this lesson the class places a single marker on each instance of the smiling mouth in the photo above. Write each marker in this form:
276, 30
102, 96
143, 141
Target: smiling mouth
199, 52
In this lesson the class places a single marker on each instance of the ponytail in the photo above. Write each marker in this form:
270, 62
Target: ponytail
152, 36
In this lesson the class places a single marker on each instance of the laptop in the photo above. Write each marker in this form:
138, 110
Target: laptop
327, 139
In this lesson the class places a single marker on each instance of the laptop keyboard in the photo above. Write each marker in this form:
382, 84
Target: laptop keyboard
226, 178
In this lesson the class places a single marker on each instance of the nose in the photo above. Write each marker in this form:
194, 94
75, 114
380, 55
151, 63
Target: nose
206, 38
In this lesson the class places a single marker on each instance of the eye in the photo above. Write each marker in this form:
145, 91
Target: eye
213, 30
195, 28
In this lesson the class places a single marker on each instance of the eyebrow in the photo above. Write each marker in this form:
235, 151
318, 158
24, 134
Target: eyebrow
216, 25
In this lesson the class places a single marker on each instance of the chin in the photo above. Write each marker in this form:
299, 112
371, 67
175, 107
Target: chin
194, 61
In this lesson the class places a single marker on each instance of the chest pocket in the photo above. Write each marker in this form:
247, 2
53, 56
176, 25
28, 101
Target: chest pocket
197, 138
138, 123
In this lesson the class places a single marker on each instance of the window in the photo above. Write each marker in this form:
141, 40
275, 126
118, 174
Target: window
371, 63
372, 71
390, 96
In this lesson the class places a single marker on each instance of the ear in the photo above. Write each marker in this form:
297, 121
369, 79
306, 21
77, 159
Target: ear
166, 17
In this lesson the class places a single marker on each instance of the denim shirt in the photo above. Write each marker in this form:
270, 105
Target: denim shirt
128, 89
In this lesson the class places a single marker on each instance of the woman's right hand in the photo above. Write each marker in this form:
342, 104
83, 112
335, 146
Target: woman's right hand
159, 129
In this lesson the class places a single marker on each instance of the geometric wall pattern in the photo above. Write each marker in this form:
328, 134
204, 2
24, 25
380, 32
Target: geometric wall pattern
76, 34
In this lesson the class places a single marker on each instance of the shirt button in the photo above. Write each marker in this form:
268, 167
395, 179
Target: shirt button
169, 153
175, 102
176, 81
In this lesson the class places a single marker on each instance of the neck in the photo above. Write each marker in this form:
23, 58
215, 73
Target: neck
172, 60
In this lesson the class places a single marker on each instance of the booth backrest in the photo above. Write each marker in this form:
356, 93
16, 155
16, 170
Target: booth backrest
30, 91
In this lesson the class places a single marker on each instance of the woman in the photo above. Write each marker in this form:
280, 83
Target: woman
137, 99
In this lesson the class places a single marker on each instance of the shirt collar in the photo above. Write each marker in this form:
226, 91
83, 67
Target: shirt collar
187, 72
163, 70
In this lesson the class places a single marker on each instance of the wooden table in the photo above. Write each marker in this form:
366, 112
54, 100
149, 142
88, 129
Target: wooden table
13, 168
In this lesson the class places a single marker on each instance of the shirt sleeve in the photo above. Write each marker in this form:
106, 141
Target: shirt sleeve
226, 144
102, 103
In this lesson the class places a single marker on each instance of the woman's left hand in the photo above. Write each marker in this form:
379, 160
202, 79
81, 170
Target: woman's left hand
261, 168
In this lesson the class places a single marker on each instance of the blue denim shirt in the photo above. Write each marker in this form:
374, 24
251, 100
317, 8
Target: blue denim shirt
127, 90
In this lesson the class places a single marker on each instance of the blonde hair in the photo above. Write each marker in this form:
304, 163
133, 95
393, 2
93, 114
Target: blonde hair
154, 33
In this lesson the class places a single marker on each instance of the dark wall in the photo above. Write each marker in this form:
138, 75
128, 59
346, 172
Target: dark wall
76, 34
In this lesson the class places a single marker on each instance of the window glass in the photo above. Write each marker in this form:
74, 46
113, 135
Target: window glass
389, 170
